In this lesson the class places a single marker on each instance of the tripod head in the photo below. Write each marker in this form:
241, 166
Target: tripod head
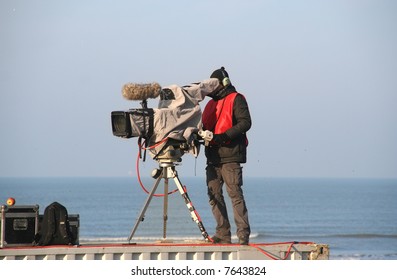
170, 153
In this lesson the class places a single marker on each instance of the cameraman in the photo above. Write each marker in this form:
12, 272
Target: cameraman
228, 117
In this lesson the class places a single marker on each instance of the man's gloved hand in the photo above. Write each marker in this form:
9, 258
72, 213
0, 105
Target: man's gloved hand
220, 138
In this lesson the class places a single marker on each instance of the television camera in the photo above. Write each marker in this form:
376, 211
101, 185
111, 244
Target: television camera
168, 132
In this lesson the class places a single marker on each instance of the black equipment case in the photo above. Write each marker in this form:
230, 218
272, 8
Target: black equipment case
74, 223
18, 225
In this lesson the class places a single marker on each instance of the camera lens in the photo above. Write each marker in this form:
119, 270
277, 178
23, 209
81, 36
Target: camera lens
121, 125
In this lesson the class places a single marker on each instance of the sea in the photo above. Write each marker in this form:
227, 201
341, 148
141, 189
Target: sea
357, 218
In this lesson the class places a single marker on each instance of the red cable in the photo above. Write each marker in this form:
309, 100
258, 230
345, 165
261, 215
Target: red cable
256, 246
137, 167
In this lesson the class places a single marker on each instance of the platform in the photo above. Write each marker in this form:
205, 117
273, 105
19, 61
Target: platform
171, 251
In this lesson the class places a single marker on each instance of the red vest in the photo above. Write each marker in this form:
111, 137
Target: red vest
218, 115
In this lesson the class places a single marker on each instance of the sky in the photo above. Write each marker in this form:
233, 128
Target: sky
319, 78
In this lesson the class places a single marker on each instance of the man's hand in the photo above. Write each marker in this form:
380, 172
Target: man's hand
206, 135
220, 138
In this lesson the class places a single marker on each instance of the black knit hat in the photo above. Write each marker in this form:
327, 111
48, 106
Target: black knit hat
220, 74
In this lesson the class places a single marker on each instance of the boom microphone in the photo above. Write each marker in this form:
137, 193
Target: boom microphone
141, 91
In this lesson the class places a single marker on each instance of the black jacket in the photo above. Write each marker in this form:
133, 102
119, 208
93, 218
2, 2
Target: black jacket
236, 149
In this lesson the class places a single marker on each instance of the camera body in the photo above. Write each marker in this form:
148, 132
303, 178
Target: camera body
173, 126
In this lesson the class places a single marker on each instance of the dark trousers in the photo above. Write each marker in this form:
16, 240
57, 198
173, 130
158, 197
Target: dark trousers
231, 175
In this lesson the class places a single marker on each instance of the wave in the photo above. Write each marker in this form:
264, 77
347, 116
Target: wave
139, 239
342, 235
378, 256
365, 235
254, 237
89, 239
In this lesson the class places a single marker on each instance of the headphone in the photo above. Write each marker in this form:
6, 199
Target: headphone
225, 81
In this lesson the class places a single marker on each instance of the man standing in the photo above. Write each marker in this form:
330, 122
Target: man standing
228, 117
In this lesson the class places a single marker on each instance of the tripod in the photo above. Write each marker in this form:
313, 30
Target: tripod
167, 169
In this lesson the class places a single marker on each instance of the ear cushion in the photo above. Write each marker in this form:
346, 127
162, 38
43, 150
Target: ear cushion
226, 81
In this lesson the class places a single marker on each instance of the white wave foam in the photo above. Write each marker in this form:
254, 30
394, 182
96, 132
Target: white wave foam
150, 238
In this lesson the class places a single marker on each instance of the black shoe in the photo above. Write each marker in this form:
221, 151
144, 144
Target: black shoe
217, 240
243, 240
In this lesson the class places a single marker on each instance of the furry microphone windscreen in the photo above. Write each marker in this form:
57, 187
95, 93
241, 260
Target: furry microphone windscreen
141, 91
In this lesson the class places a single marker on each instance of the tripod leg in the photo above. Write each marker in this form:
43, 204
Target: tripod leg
146, 205
165, 208
193, 213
